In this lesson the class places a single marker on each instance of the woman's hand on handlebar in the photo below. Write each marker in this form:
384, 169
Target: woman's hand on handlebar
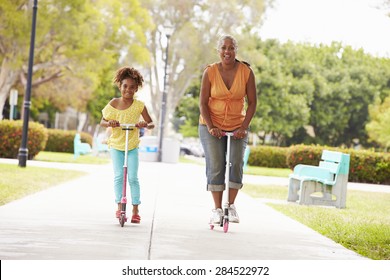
216, 132
240, 133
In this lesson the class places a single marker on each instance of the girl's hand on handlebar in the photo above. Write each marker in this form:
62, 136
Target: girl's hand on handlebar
142, 124
113, 123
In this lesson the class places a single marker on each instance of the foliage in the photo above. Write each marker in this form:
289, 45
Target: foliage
327, 88
193, 40
369, 167
378, 128
188, 112
102, 95
11, 138
75, 40
302, 154
285, 91
267, 156
315, 94
365, 166
62, 140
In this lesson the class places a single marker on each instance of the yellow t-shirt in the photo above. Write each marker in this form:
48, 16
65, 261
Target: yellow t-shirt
227, 106
130, 115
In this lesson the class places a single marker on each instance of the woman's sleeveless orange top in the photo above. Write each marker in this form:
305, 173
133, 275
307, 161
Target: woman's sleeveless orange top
226, 106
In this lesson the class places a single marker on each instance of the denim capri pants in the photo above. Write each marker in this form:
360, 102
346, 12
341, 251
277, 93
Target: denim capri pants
215, 153
118, 158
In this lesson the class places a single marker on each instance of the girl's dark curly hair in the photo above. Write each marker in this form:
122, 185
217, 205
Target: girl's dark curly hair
127, 72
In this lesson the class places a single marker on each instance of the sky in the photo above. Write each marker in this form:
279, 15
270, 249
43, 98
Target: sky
357, 23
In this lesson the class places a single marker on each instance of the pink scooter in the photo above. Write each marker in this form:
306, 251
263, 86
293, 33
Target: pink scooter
122, 216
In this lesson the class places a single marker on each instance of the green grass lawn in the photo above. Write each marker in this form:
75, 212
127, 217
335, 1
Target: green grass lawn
267, 171
364, 226
17, 182
69, 158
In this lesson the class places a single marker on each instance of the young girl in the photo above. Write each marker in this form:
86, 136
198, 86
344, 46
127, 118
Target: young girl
126, 109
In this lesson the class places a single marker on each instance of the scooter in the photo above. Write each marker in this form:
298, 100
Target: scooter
225, 218
122, 216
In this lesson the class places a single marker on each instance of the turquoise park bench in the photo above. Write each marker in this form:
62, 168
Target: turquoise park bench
99, 146
325, 184
79, 147
246, 157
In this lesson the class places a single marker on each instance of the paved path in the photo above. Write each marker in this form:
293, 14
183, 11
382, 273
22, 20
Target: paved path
74, 221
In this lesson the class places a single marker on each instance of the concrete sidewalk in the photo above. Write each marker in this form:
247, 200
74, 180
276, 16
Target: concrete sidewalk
75, 221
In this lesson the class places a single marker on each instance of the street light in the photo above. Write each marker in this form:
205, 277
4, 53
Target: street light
23, 151
168, 33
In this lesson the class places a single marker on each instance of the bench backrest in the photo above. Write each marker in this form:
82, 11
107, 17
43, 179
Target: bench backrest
336, 162
77, 138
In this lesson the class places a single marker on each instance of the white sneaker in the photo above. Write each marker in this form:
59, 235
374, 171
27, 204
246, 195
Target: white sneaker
233, 216
216, 216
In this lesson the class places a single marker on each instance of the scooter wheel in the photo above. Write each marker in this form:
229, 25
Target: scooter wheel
122, 219
211, 227
225, 226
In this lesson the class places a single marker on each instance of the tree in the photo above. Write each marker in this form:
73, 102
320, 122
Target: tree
312, 94
284, 90
378, 128
75, 41
187, 112
196, 25
325, 88
352, 81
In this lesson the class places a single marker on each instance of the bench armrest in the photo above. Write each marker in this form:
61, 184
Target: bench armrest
312, 172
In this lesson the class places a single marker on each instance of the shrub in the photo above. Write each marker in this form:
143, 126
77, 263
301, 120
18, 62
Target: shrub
369, 167
11, 138
62, 140
365, 166
267, 156
301, 154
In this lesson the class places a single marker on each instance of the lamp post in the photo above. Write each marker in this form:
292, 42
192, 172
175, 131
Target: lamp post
23, 151
168, 34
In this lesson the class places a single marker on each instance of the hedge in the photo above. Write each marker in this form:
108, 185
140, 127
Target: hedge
268, 156
365, 166
62, 140
11, 138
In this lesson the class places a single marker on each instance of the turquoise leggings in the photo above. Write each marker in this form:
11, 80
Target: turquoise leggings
118, 158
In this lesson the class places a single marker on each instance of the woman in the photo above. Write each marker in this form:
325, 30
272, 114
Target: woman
225, 87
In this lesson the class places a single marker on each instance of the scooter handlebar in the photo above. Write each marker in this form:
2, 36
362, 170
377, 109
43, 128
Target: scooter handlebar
226, 133
128, 125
